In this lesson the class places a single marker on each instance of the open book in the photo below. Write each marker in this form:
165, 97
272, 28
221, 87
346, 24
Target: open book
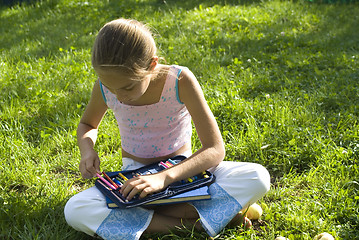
190, 189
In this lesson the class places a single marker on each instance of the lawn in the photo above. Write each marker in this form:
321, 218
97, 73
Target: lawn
281, 77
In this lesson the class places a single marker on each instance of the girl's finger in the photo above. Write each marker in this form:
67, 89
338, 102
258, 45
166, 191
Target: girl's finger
90, 171
128, 186
135, 190
145, 192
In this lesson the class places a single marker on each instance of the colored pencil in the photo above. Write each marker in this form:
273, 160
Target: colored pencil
110, 180
118, 182
169, 164
163, 165
171, 161
105, 181
123, 176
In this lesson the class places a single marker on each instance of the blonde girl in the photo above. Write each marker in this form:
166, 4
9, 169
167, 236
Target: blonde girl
154, 105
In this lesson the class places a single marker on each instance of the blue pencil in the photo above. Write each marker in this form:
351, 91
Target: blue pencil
171, 161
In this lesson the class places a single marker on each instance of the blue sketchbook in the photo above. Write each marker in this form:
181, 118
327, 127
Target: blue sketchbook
189, 196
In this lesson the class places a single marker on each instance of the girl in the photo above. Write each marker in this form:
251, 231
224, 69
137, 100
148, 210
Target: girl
154, 105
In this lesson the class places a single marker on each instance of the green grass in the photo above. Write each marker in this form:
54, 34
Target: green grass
281, 77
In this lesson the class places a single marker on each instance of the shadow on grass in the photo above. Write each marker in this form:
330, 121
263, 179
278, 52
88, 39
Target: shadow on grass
20, 221
190, 4
43, 29
10, 3
48, 28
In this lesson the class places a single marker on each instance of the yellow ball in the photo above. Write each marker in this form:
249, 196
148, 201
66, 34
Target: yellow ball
254, 212
324, 236
281, 238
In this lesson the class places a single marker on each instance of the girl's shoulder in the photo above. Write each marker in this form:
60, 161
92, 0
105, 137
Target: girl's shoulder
180, 74
176, 71
164, 69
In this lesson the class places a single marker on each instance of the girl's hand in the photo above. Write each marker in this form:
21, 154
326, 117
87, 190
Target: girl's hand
89, 164
143, 185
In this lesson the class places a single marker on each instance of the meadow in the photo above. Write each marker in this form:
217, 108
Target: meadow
281, 77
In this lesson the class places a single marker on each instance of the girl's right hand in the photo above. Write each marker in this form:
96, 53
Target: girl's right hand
89, 164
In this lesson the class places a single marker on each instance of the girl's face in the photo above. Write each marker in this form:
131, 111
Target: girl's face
126, 90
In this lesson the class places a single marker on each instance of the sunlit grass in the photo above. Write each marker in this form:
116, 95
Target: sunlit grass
281, 78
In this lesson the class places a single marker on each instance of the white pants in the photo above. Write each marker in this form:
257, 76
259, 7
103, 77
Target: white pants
237, 185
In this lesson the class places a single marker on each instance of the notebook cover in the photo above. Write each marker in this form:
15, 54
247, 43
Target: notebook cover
189, 196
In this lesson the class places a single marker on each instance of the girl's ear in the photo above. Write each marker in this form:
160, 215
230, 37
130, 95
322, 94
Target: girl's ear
154, 63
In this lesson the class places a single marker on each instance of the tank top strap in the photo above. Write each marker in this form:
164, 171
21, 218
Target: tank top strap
171, 83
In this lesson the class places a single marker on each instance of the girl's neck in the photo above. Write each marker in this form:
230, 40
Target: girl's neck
160, 71
154, 90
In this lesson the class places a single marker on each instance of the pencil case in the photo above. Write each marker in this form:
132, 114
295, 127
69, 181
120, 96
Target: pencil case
111, 185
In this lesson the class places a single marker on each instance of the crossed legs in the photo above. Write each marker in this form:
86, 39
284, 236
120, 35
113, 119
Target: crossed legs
169, 217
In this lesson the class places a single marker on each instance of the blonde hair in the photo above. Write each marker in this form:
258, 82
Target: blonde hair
126, 46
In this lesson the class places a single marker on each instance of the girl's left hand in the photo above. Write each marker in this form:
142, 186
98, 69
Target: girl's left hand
143, 185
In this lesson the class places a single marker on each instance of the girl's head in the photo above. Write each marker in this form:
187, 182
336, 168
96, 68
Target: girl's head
125, 46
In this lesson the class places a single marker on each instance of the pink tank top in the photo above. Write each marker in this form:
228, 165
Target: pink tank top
154, 130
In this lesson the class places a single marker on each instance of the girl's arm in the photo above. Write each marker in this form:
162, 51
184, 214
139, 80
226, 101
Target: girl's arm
87, 133
209, 155
212, 151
